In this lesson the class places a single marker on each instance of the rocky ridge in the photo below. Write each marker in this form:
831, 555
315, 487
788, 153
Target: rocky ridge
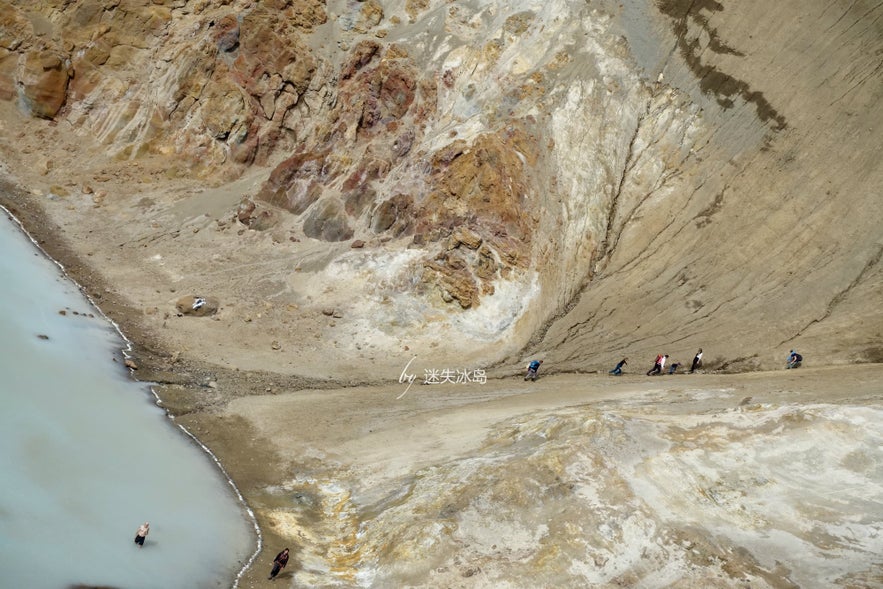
571, 180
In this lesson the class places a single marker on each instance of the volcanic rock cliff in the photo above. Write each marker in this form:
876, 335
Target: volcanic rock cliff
469, 182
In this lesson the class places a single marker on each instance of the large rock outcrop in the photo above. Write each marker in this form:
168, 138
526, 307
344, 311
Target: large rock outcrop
580, 181
211, 84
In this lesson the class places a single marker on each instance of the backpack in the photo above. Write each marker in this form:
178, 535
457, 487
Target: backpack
798, 358
533, 365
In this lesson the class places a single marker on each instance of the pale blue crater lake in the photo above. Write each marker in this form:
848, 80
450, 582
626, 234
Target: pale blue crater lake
86, 456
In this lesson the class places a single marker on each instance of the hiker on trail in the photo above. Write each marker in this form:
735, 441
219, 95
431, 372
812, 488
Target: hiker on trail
697, 361
532, 369
141, 534
673, 368
618, 369
279, 563
794, 360
658, 365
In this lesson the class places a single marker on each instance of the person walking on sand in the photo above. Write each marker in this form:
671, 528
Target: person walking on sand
617, 370
658, 365
141, 534
279, 563
697, 361
794, 360
532, 369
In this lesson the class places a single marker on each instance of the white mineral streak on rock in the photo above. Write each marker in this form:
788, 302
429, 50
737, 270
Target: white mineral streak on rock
384, 314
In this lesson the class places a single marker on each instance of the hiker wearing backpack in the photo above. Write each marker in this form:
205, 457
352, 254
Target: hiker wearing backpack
532, 369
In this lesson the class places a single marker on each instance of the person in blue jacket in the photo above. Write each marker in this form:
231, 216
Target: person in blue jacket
532, 369
617, 370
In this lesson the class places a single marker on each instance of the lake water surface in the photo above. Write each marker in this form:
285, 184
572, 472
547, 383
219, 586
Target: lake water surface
86, 456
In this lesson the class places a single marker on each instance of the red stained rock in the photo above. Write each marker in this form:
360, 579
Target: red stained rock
397, 91
226, 33
296, 183
360, 56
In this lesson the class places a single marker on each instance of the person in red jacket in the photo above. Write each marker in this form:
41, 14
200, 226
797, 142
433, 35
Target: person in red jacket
658, 365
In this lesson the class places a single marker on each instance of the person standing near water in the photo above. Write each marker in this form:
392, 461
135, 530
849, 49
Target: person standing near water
141, 534
279, 563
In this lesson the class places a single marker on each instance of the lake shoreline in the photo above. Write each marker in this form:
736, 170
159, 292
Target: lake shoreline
141, 360
119, 352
